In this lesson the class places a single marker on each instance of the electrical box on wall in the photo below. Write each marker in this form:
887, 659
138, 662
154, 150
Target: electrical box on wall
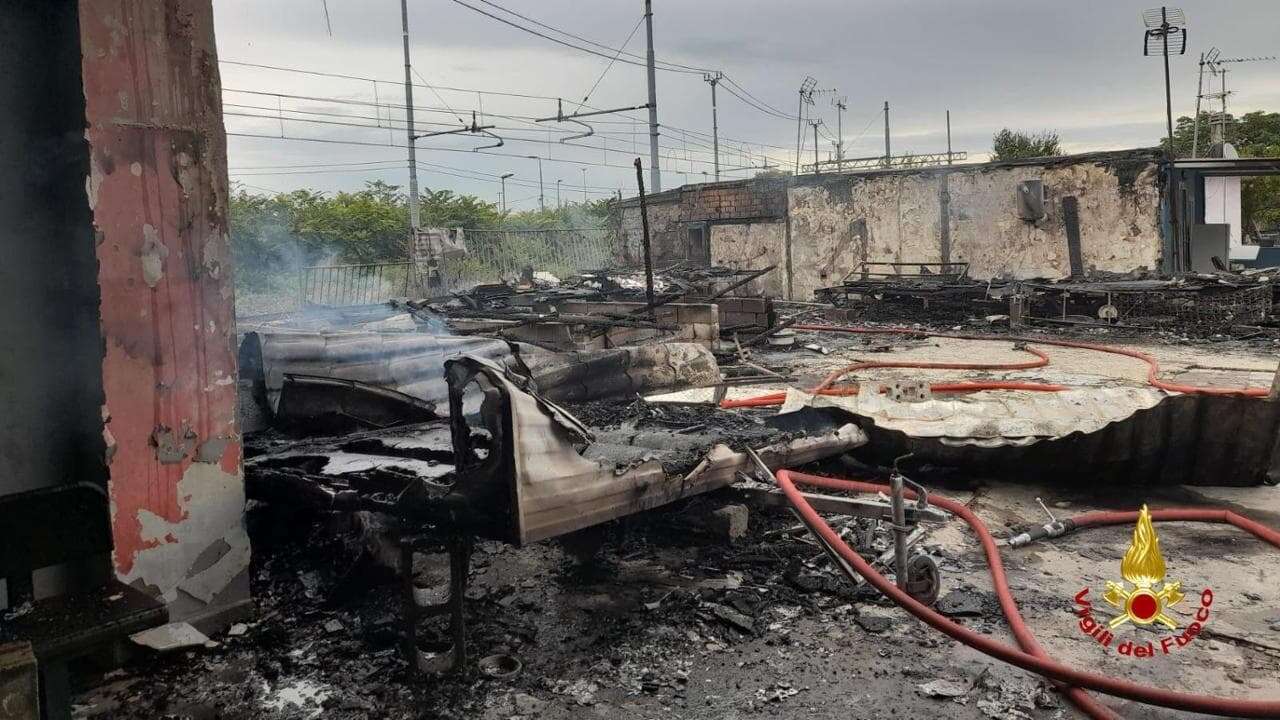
1030, 200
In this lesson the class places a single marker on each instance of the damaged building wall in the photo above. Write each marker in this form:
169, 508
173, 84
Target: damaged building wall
1119, 210
50, 376
838, 221
752, 246
157, 188
684, 221
832, 223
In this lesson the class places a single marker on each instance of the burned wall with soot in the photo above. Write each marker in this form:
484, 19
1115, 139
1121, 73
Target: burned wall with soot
819, 228
971, 214
157, 186
50, 379
708, 208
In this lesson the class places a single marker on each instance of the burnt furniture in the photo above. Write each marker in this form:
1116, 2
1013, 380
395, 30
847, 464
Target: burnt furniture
69, 526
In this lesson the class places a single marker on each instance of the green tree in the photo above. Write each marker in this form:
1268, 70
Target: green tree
1015, 144
443, 208
1254, 134
274, 235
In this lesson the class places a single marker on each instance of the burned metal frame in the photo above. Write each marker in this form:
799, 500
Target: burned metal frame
951, 281
1209, 306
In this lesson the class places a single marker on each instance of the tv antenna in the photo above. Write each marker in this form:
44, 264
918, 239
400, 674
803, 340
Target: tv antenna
1213, 61
1166, 32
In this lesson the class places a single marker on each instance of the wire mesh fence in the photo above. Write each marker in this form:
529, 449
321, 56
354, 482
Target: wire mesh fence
492, 256
498, 255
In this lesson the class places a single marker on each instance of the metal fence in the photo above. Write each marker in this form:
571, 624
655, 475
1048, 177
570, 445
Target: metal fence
354, 284
492, 256
498, 255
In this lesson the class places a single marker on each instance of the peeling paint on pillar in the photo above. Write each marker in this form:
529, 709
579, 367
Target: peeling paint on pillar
158, 189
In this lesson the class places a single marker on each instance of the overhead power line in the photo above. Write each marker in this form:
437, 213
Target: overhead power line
628, 120
566, 43
366, 126
427, 168
361, 143
278, 114
604, 72
481, 175
617, 53
766, 107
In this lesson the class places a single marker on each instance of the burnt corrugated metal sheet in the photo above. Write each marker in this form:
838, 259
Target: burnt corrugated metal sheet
410, 363
1182, 440
540, 484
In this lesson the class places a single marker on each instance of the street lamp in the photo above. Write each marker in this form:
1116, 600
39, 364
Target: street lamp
503, 180
584, 186
542, 201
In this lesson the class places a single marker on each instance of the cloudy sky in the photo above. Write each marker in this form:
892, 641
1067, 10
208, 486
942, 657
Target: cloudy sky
1074, 67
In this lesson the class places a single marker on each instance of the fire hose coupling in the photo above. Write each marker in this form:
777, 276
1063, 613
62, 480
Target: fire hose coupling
1052, 529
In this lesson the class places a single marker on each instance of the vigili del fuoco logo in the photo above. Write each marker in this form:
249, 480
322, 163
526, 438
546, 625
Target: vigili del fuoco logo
1142, 598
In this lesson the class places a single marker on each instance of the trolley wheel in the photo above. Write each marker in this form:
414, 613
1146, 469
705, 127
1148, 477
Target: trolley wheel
924, 579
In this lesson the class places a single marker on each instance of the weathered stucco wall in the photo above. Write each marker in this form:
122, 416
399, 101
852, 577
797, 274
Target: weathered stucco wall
1119, 220
838, 221
158, 192
666, 230
753, 246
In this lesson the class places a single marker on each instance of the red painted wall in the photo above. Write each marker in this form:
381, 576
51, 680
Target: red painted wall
158, 190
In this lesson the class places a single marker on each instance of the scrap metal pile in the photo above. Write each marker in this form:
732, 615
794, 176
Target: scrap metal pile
453, 439
1226, 302
579, 312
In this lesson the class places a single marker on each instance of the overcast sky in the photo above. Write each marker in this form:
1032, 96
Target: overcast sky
1074, 67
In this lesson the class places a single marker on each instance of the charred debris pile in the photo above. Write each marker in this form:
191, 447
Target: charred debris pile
1238, 304
565, 410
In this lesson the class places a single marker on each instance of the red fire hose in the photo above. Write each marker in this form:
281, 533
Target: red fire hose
1032, 657
824, 387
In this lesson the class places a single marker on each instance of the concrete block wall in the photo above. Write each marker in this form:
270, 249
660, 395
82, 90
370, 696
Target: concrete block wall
742, 312
699, 323
742, 200
671, 213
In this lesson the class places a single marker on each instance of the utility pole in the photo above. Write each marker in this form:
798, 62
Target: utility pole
841, 106
503, 180
806, 96
558, 205
1195, 126
816, 166
714, 78
408, 104
1222, 117
655, 173
584, 186
1161, 25
948, 137
887, 154
542, 200
1168, 93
